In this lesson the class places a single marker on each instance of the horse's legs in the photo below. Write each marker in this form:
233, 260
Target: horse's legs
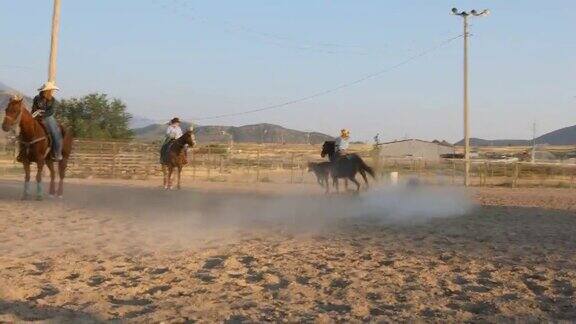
39, 189
26, 194
346, 184
353, 179
335, 183
62, 165
363, 173
178, 175
165, 176
50, 165
170, 169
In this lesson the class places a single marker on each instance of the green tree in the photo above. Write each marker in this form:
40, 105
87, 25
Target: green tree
95, 116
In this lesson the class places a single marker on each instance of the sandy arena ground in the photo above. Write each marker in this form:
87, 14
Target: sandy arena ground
256, 253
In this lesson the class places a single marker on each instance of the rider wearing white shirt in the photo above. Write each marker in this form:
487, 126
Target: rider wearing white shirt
173, 132
342, 142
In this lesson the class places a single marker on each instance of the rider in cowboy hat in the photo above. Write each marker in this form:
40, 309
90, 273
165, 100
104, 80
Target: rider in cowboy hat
173, 132
342, 142
43, 109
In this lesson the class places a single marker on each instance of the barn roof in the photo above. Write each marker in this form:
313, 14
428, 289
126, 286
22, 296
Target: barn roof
442, 143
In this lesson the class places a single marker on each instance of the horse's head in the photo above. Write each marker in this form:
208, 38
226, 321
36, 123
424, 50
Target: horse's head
328, 148
13, 113
189, 138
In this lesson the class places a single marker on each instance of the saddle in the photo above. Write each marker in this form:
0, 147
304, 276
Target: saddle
25, 146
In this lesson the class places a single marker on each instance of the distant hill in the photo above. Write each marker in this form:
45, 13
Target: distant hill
501, 142
562, 136
6, 93
267, 133
140, 122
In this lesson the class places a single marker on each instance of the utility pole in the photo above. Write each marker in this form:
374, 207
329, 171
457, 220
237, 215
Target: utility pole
54, 42
465, 16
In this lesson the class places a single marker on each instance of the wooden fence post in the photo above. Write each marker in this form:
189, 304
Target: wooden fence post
516, 175
302, 168
114, 157
208, 164
453, 172
193, 165
292, 168
258, 167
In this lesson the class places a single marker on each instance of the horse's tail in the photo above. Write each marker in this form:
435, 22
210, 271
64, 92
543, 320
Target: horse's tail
365, 167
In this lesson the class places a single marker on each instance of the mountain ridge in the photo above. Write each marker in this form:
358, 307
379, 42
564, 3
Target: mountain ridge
561, 136
255, 133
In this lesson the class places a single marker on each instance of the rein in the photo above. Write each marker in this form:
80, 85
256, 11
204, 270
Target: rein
27, 145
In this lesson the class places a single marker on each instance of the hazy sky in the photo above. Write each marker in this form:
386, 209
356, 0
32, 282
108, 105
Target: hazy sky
192, 58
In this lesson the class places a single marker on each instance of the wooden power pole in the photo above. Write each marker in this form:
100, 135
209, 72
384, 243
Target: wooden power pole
54, 42
465, 16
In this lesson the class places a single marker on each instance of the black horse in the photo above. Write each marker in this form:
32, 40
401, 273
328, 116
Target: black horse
345, 166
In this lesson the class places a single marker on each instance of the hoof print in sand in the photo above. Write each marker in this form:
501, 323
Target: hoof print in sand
215, 262
72, 276
481, 308
247, 260
158, 271
157, 289
206, 277
96, 280
237, 319
45, 291
331, 307
129, 302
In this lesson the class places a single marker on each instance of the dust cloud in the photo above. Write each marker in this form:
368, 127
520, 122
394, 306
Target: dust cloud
385, 205
134, 219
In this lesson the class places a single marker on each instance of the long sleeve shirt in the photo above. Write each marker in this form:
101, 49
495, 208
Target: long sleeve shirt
173, 132
341, 144
46, 106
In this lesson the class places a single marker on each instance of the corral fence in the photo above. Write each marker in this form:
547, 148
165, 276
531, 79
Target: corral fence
512, 173
288, 164
212, 162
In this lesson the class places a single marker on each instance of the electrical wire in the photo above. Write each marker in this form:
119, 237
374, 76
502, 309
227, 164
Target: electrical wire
337, 88
184, 10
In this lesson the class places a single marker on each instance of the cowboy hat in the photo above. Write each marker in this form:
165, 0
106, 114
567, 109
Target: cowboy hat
49, 85
174, 120
344, 132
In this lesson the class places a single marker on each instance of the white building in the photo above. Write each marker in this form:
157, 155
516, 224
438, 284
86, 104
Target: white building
414, 148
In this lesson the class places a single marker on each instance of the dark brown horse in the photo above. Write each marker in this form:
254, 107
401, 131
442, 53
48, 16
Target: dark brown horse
321, 171
35, 145
345, 166
177, 158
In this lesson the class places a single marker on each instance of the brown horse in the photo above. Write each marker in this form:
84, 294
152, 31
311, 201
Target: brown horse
177, 158
345, 166
35, 144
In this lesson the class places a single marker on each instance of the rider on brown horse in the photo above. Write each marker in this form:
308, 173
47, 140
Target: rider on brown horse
342, 142
43, 110
173, 132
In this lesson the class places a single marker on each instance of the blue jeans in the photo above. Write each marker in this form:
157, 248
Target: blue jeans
56, 134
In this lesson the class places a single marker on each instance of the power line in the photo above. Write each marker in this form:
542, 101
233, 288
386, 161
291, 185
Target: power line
22, 67
184, 10
340, 87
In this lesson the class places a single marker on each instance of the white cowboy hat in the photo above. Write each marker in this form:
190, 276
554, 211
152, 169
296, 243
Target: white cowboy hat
48, 86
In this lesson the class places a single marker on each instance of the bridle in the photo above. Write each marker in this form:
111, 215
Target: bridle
16, 123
